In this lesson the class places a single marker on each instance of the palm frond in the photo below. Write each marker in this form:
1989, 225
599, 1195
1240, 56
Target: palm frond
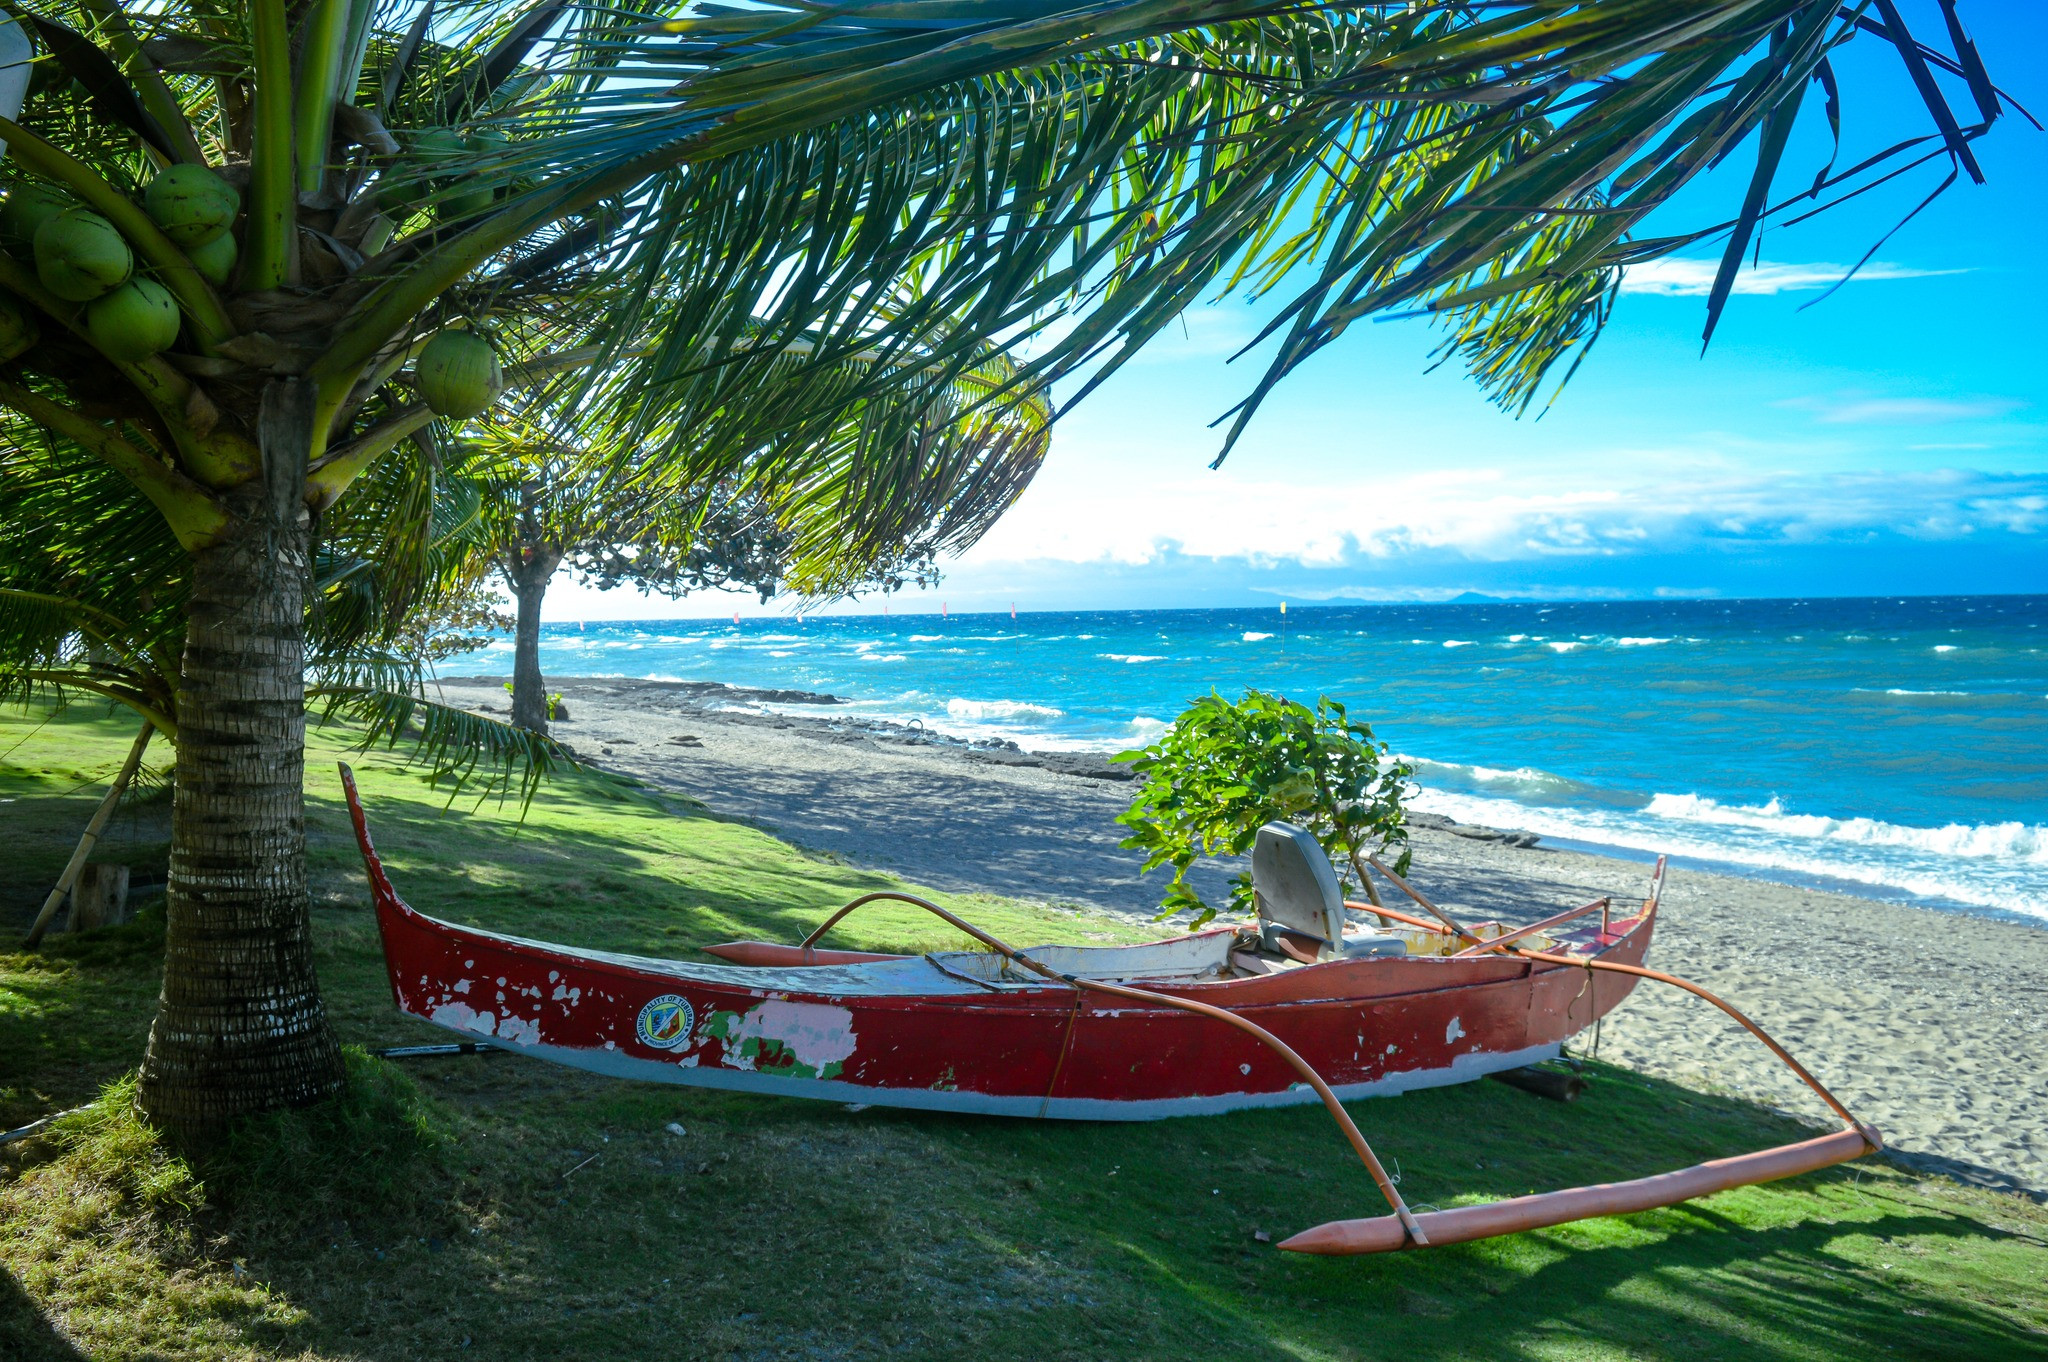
463, 751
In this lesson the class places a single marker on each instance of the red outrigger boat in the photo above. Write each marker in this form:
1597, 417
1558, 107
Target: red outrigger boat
1074, 1032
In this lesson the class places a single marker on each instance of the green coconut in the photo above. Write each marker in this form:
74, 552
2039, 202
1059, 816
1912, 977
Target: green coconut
457, 374
404, 186
215, 259
470, 198
18, 329
79, 255
192, 204
29, 205
440, 144
473, 194
134, 322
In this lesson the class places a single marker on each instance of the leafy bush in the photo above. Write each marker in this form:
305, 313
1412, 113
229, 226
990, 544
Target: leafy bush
1225, 769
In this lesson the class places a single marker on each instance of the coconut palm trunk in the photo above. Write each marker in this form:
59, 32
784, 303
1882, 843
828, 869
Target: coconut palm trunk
947, 174
240, 1026
529, 574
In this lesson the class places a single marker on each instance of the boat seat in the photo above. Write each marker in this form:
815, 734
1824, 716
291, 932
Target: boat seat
1296, 891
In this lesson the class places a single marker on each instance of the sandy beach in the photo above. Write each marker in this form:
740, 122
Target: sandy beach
1931, 1025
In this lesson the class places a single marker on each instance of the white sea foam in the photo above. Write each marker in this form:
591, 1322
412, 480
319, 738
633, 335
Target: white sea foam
1522, 780
984, 710
1901, 690
1563, 647
1987, 865
1131, 657
1944, 647
1639, 642
2020, 841
1459, 642
1255, 637
1518, 638
1145, 729
927, 638
882, 657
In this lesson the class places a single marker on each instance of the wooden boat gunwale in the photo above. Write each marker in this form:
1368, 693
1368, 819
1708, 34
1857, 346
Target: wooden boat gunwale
403, 929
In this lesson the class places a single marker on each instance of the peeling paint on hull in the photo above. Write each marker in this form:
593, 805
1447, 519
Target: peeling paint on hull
1464, 1069
919, 1032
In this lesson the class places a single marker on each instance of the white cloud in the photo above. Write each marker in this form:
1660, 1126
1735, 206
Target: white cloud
1677, 276
1485, 515
1852, 409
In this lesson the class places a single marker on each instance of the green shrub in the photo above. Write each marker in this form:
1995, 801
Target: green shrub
1224, 769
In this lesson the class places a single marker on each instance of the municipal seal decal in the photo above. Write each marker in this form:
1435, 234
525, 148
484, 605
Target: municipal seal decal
665, 1022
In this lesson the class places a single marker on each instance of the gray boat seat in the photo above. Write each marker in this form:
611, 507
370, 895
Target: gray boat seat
1296, 891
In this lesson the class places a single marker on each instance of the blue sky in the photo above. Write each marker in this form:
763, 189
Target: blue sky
1891, 439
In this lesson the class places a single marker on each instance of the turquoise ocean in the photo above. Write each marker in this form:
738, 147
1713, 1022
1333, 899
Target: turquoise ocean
1896, 748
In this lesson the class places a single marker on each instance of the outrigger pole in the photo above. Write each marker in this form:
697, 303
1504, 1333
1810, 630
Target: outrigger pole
1403, 1218
1406, 1229
1544, 1209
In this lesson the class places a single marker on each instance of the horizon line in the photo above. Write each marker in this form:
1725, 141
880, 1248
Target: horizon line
1303, 605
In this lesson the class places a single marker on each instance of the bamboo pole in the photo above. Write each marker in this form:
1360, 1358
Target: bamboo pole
92, 835
1412, 892
1372, 894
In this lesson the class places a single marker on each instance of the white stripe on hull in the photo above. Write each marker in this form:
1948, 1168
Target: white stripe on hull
614, 1064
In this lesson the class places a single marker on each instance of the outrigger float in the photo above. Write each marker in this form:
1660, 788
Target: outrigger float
1299, 1009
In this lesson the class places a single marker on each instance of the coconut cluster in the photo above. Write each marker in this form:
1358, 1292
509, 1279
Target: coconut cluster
82, 258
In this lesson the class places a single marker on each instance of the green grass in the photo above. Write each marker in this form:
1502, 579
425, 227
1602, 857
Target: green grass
456, 1204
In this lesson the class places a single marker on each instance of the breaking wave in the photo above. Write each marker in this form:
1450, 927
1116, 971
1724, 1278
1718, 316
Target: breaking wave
981, 711
1996, 866
2020, 841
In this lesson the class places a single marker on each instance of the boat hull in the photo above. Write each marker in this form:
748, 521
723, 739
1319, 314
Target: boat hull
914, 1031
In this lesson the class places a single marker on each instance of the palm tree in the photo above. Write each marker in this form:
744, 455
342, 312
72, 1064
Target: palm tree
94, 605
358, 217
786, 512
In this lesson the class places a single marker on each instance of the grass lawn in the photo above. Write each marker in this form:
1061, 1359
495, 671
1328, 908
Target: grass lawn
504, 1208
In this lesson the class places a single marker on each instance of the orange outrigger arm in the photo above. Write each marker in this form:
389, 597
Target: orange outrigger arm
1466, 1223
1405, 1228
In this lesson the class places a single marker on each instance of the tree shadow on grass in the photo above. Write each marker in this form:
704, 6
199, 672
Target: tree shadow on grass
73, 1015
650, 878
26, 1333
1789, 1270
